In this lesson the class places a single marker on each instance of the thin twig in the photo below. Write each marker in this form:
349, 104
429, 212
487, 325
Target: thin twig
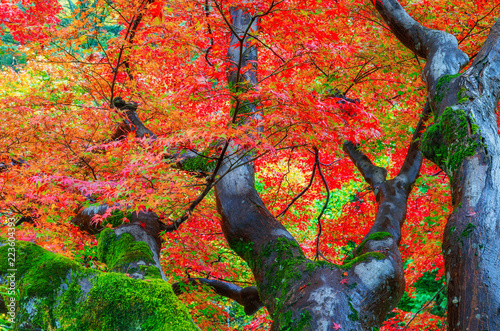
320, 228
302, 192
423, 307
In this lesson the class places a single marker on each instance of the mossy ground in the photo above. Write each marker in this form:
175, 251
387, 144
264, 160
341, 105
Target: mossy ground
57, 293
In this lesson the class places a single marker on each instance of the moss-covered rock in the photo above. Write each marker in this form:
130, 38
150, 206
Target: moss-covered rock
57, 293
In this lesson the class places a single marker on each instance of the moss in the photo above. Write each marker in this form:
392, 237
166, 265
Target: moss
362, 258
119, 252
57, 293
354, 315
374, 236
442, 87
299, 324
283, 276
40, 276
150, 272
461, 96
468, 230
199, 163
126, 304
448, 141
290, 271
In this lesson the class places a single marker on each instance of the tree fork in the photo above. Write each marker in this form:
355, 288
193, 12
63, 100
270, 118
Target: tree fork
463, 142
299, 293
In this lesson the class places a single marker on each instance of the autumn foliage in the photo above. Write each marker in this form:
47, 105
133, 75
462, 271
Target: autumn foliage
328, 71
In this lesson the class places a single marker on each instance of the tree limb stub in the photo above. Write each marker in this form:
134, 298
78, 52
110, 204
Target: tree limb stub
131, 122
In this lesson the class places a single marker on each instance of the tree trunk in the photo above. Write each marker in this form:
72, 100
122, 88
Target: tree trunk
464, 142
57, 293
302, 294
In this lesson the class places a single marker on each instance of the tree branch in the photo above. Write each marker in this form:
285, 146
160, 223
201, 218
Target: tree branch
439, 48
372, 173
248, 297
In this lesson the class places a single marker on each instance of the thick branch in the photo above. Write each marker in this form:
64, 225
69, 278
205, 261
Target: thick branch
439, 48
392, 195
248, 297
372, 173
131, 122
413, 160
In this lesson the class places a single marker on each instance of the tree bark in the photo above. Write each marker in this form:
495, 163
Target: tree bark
302, 294
464, 142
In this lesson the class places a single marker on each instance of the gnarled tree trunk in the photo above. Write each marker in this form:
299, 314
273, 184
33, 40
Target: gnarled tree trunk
464, 142
302, 294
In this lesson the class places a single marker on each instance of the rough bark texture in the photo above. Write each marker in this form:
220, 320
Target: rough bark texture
464, 142
299, 293
131, 122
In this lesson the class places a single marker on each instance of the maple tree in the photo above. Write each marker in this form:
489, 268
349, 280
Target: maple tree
154, 124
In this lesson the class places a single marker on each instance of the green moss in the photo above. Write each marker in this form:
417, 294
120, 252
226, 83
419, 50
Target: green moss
199, 163
125, 304
354, 315
283, 276
57, 293
374, 236
461, 96
468, 230
299, 324
40, 274
361, 258
448, 141
442, 87
119, 252
150, 271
